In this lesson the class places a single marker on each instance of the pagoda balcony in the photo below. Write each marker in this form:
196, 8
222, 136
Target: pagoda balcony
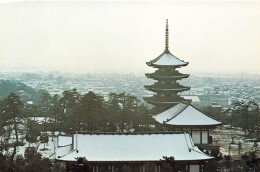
171, 72
155, 100
166, 87
166, 75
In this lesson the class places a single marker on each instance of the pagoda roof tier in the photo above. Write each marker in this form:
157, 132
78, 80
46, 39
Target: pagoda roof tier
167, 59
166, 75
185, 114
166, 87
156, 100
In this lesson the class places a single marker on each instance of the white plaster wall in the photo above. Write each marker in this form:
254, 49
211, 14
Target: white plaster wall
196, 137
194, 168
204, 137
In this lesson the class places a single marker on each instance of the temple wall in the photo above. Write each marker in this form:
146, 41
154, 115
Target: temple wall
205, 137
194, 168
200, 137
196, 137
145, 167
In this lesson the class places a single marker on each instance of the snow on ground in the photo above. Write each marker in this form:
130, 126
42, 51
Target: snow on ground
223, 137
47, 153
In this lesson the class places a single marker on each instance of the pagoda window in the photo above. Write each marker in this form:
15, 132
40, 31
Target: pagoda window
163, 69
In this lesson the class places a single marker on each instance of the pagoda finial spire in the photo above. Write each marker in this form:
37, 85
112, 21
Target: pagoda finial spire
167, 37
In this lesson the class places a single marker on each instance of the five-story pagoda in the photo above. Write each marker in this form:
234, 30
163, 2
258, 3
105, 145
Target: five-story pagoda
166, 86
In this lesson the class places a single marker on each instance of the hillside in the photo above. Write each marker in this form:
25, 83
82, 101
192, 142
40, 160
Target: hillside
25, 92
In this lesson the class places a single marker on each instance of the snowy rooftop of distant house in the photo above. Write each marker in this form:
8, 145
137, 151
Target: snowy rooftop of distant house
29, 102
167, 59
41, 120
133, 147
184, 114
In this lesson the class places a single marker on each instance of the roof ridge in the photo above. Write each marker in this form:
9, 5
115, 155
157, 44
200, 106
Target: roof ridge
128, 133
186, 105
186, 141
192, 144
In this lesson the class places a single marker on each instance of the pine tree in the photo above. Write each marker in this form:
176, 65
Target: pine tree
12, 115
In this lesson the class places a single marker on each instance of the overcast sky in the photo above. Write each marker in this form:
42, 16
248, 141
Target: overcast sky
213, 36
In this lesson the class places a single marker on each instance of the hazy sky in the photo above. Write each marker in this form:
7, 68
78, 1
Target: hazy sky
213, 36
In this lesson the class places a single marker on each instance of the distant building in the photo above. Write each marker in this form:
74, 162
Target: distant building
207, 100
166, 75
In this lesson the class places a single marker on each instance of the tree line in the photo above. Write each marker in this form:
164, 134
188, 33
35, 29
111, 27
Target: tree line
67, 113
73, 111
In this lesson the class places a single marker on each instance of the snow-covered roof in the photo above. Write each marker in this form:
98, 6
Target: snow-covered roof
148, 147
64, 140
184, 114
170, 113
29, 102
167, 59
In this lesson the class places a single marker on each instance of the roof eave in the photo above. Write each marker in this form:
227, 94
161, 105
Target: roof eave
176, 66
129, 161
151, 64
194, 126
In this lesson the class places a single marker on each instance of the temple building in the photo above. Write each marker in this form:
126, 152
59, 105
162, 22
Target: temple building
166, 86
184, 117
131, 152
